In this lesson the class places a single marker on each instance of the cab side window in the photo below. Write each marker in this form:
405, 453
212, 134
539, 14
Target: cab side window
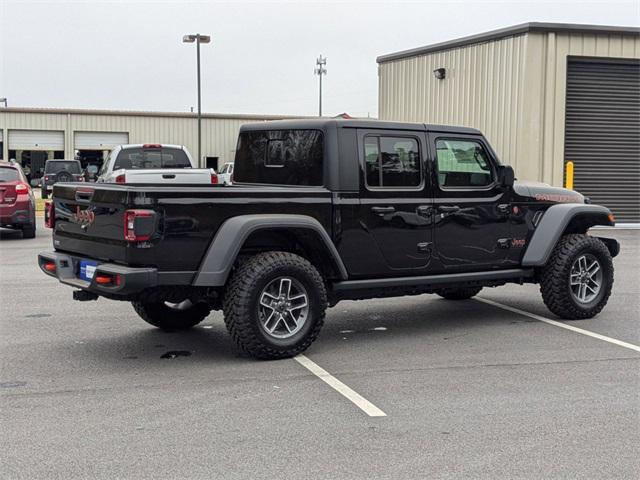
392, 162
463, 164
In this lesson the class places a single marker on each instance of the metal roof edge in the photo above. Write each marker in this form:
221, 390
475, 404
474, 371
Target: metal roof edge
138, 113
509, 32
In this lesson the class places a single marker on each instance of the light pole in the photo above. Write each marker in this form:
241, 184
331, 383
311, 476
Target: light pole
320, 71
198, 39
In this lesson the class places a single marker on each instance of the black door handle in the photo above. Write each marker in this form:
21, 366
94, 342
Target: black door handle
382, 210
449, 208
168, 175
424, 210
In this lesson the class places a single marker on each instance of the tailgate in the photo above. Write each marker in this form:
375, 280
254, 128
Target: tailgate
90, 220
178, 175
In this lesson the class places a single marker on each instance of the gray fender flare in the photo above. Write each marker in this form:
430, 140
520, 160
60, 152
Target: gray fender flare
223, 250
553, 224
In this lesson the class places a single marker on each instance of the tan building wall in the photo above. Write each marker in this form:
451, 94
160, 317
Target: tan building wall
512, 88
219, 132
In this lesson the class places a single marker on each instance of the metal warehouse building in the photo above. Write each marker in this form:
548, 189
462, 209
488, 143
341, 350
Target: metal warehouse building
34, 135
543, 94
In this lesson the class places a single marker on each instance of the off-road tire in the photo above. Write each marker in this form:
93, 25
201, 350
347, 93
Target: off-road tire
458, 293
169, 319
29, 231
241, 304
554, 277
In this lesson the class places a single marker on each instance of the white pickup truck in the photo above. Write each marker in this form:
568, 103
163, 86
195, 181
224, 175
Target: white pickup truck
153, 163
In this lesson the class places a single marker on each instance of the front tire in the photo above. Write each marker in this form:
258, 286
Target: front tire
576, 282
172, 317
274, 305
458, 293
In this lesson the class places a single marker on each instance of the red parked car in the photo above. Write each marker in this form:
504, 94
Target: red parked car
17, 203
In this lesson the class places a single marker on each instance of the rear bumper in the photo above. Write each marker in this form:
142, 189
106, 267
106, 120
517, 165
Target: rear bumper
131, 280
16, 216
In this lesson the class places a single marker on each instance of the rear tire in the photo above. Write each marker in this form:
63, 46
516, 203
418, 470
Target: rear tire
29, 231
458, 293
274, 305
576, 282
170, 318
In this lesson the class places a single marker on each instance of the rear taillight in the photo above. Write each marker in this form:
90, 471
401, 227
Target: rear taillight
49, 267
22, 188
138, 225
108, 280
214, 179
120, 178
79, 178
46, 177
49, 215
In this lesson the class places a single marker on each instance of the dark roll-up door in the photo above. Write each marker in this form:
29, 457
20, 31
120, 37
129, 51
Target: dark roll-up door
602, 135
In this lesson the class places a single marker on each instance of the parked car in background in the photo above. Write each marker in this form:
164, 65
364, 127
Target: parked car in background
17, 203
60, 171
225, 175
153, 163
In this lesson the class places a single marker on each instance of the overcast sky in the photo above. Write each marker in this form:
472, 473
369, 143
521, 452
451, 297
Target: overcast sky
128, 54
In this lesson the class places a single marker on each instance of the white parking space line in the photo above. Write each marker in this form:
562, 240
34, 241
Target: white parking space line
555, 323
362, 403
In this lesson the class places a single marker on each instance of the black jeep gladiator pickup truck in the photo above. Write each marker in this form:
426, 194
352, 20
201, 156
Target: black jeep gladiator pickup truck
325, 210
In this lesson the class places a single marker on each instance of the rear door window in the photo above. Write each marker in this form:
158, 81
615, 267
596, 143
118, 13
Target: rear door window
57, 167
392, 162
8, 174
146, 158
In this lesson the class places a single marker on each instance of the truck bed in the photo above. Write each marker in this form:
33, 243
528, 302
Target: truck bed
89, 220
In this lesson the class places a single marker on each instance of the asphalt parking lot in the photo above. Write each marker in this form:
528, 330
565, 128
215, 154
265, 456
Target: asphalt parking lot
468, 389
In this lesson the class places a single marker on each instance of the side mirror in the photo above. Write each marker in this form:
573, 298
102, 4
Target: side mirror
506, 176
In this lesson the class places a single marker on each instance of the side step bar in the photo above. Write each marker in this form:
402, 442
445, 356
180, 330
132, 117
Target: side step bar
515, 274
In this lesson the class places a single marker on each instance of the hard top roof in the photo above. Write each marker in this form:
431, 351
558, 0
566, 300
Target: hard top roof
325, 123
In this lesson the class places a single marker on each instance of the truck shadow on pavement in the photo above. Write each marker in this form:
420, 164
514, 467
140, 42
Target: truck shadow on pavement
378, 322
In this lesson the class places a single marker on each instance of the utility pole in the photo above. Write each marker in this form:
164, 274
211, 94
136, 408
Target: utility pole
198, 39
320, 71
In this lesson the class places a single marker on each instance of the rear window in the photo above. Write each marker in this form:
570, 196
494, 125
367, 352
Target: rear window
8, 174
280, 157
57, 167
144, 158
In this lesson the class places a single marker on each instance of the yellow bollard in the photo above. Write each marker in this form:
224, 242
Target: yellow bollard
569, 176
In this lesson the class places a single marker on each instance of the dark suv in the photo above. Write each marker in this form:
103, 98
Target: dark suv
60, 171
17, 204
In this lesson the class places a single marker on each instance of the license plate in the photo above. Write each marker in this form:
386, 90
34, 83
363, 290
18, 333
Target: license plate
87, 269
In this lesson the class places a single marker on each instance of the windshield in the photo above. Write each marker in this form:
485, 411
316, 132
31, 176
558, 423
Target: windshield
57, 167
9, 174
143, 158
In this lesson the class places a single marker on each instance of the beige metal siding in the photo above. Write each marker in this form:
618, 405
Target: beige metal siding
483, 88
512, 89
219, 135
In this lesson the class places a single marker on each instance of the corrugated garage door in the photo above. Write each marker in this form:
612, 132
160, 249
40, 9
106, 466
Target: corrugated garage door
36, 140
603, 133
99, 140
